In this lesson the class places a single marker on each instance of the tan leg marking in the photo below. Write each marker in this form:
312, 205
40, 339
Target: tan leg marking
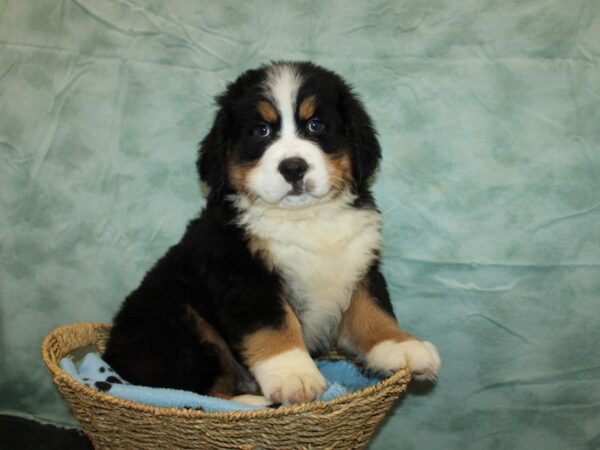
372, 333
268, 342
365, 324
224, 385
278, 359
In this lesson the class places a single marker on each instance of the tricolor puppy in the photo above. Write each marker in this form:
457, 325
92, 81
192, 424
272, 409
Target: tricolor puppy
283, 263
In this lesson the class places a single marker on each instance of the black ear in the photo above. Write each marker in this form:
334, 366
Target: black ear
212, 154
362, 138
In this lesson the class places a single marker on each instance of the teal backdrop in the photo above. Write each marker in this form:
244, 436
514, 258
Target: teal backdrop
489, 117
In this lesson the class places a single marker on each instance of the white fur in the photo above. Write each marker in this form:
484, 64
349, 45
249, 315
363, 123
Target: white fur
282, 86
265, 180
254, 400
268, 183
289, 377
321, 250
421, 358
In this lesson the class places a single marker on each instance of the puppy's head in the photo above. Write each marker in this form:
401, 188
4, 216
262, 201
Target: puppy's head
289, 134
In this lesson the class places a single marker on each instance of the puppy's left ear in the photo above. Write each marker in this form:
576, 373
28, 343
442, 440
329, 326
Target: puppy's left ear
212, 154
362, 138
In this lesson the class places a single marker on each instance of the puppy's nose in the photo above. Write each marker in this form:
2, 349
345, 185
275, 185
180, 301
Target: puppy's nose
293, 169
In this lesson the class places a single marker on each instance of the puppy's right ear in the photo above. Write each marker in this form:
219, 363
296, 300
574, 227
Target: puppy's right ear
211, 156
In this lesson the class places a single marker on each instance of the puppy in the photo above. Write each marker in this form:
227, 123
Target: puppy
283, 262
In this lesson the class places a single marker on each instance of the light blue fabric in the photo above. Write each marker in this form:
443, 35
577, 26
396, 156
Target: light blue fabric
342, 378
489, 118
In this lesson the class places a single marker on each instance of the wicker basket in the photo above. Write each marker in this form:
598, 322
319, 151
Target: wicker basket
346, 422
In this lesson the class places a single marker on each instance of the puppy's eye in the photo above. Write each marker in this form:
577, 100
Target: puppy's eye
261, 130
315, 126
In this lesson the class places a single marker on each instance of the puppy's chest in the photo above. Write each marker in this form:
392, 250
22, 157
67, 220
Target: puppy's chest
321, 255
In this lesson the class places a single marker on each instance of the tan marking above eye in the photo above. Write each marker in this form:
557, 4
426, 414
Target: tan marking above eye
307, 108
267, 111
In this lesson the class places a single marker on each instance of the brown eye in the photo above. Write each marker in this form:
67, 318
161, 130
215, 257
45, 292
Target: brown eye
315, 126
262, 130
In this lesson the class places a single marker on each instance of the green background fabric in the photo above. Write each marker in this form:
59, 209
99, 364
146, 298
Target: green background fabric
489, 117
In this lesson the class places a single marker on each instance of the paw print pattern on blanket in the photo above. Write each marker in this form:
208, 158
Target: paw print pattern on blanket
102, 371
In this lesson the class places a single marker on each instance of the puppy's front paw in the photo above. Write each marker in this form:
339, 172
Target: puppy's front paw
290, 377
420, 357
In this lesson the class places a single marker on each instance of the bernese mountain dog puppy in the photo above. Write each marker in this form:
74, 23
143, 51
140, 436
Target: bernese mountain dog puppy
283, 262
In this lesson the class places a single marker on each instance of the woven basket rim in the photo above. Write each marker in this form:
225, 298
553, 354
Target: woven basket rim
402, 377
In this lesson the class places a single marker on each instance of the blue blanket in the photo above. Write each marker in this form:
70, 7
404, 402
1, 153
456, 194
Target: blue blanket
342, 378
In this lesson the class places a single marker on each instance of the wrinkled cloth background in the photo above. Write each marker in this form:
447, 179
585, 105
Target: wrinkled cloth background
489, 118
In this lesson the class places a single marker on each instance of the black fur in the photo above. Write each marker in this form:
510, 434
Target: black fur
211, 271
356, 125
154, 342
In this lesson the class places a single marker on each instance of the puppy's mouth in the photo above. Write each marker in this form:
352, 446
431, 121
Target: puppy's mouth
300, 187
296, 190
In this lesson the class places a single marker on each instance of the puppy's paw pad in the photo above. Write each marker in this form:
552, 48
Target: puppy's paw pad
290, 377
293, 385
301, 387
420, 357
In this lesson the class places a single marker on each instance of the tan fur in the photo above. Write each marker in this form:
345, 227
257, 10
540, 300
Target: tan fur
224, 384
307, 108
304, 244
267, 111
340, 171
238, 177
365, 324
268, 342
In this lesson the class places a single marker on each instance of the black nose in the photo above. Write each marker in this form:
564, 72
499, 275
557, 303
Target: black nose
293, 169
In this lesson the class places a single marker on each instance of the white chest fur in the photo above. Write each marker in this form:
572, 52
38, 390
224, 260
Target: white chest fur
321, 251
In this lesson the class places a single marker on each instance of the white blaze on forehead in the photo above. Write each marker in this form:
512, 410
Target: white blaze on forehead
282, 86
265, 180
